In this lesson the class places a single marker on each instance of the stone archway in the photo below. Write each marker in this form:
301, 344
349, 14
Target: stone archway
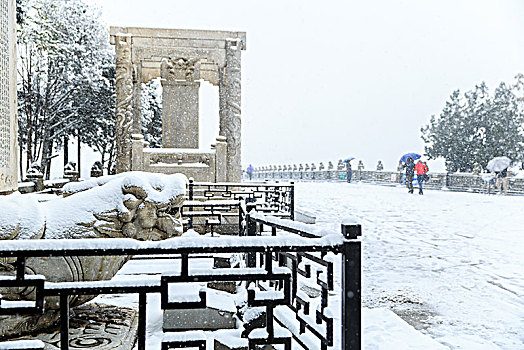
180, 58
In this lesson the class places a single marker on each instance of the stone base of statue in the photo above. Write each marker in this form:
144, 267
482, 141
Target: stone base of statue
95, 326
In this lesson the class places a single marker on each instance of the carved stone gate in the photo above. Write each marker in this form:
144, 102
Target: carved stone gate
181, 58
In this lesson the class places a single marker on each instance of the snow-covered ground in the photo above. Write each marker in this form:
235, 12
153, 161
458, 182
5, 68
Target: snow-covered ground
449, 264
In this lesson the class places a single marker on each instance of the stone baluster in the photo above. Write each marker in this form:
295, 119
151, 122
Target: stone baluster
34, 174
330, 170
97, 169
71, 172
137, 152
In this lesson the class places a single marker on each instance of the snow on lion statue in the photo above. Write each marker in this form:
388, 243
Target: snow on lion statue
137, 205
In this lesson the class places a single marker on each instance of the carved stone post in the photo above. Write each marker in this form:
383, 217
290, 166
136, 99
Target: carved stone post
231, 117
179, 103
222, 102
221, 159
137, 99
124, 102
137, 157
8, 104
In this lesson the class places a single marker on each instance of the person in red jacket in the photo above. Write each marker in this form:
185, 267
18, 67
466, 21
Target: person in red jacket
421, 169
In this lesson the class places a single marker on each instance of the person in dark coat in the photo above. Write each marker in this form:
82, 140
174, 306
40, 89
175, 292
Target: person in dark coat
250, 171
502, 181
348, 170
410, 171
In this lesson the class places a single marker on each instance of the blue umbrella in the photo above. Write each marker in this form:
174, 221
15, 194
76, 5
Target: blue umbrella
349, 159
413, 156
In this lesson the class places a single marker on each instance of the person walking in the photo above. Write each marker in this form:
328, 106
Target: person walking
250, 171
348, 171
502, 181
410, 171
421, 168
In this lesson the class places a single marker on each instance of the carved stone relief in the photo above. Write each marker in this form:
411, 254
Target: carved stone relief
124, 102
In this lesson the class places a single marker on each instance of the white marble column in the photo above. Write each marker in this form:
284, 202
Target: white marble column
124, 102
230, 119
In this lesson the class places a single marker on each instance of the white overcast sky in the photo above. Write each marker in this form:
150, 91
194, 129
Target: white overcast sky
323, 80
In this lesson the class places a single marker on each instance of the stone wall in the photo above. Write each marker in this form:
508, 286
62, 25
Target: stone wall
8, 116
465, 182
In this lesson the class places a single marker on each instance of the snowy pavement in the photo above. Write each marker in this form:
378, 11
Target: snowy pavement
450, 264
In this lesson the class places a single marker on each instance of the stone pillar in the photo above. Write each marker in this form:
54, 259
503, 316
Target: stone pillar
8, 104
231, 117
222, 102
137, 157
124, 102
221, 160
137, 99
180, 103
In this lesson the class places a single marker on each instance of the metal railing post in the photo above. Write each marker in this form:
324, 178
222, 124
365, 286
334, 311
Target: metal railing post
64, 321
142, 303
191, 188
351, 288
292, 200
251, 231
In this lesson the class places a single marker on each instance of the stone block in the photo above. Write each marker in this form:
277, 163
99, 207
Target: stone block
229, 287
236, 344
198, 319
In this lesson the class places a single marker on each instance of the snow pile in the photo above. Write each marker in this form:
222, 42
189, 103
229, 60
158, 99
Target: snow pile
295, 225
63, 216
74, 187
385, 330
20, 216
24, 217
22, 344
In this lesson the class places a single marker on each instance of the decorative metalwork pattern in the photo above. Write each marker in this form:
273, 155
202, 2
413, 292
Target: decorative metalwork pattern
291, 311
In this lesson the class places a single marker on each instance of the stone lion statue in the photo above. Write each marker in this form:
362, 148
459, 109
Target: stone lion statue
137, 205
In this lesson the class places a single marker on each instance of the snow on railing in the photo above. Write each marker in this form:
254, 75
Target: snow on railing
306, 256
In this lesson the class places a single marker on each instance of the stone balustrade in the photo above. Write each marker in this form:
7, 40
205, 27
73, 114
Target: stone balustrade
465, 182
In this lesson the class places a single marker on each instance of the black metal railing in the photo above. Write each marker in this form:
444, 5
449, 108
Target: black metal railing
277, 198
301, 253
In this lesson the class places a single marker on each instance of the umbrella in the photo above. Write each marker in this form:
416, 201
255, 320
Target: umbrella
498, 164
413, 156
349, 159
